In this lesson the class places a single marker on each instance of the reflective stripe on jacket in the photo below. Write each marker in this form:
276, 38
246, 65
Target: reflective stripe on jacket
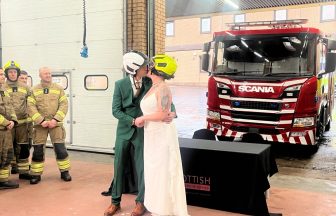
18, 93
47, 102
7, 112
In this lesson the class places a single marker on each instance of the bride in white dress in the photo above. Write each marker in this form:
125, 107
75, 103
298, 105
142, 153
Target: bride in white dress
164, 182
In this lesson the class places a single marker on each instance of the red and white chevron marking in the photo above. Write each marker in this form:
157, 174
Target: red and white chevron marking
307, 139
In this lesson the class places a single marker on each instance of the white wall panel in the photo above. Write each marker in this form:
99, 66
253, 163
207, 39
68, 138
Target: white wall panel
49, 33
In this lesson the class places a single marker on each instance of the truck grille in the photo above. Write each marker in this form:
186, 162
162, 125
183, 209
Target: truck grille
256, 105
255, 116
260, 130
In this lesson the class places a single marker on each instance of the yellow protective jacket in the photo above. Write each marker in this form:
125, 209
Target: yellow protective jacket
7, 112
19, 93
47, 101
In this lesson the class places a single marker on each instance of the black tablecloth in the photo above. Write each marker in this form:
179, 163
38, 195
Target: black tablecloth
227, 176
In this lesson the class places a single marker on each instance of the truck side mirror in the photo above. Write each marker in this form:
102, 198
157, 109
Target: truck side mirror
330, 62
206, 47
205, 62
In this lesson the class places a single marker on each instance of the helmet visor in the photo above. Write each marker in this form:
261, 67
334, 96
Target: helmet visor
151, 64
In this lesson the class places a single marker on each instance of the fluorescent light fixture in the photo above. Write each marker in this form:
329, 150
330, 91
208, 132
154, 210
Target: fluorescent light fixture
289, 46
294, 40
233, 48
234, 5
257, 54
229, 33
266, 60
244, 43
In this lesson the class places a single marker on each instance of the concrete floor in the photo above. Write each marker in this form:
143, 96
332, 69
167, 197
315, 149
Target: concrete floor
289, 195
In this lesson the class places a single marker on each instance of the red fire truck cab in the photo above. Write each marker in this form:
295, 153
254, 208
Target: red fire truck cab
276, 82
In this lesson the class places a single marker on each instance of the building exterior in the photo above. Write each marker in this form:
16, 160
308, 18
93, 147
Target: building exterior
187, 30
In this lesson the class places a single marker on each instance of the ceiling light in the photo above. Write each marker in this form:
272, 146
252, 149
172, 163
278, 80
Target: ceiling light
234, 5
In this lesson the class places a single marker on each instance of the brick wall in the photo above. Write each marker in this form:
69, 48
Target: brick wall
160, 26
137, 25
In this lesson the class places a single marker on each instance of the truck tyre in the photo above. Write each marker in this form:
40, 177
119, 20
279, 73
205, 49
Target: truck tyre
327, 127
320, 126
204, 134
223, 138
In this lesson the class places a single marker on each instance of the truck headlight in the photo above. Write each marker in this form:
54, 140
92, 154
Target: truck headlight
214, 115
293, 88
222, 85
303, 122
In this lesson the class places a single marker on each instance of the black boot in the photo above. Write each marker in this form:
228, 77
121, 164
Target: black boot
14, 170
108, 192
25, 176
65, 176
35, 179
8, 185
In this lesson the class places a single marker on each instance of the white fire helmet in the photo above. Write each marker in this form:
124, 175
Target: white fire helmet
133, 60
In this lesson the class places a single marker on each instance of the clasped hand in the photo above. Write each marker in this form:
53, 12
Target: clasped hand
49, 124
10, 126
168, 117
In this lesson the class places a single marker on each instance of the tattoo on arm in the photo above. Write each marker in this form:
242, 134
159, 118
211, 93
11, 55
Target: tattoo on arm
164, 94
164, 102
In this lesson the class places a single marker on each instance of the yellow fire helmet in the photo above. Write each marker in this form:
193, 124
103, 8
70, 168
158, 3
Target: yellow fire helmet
164, 65
11, 65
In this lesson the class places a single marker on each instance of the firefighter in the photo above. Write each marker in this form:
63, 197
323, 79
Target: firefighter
23, 78
18, 93
47, 106
7, 121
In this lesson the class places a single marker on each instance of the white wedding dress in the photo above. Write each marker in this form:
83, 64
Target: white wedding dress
164, 181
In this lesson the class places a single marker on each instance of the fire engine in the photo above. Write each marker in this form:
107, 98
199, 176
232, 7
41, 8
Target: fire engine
276, 82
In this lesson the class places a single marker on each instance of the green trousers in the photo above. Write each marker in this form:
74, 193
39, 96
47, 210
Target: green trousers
121, 156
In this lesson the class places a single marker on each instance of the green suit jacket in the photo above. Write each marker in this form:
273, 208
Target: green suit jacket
125, 107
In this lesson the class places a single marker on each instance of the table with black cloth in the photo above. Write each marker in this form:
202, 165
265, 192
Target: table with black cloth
228, 176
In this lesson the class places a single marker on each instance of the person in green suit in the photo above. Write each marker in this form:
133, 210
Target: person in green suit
127, 95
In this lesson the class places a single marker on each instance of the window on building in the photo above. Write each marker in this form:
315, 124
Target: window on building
169, 28
239, 18
205, 25
328, 12
280, 15
60, 80
96, 82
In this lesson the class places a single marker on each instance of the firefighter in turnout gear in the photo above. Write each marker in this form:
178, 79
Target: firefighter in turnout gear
19, 93
23, 78
47, 106
7, 122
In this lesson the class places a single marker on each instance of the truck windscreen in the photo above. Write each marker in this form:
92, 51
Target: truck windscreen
265, 55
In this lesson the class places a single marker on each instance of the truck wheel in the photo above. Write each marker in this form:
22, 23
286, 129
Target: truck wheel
327, 127
222, 138
204, 134
320, 127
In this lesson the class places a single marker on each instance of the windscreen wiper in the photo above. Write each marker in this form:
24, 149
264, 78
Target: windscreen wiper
276, 74
239, 72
